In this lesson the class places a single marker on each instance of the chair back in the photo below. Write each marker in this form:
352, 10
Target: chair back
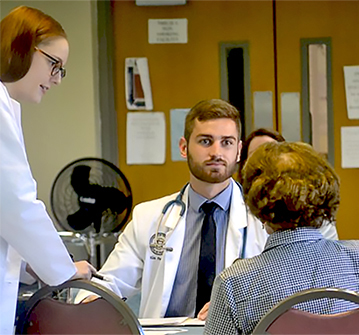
107, 315
283, 319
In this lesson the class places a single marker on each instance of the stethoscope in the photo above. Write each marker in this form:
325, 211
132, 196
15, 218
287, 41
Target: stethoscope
159, 242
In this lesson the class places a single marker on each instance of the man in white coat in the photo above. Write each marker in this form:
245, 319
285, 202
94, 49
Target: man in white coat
158, 255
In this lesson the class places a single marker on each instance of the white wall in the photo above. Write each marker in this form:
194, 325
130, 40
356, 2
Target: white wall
66, 125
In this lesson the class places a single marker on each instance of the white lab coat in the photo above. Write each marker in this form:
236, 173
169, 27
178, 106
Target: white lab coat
26, 231
133, 267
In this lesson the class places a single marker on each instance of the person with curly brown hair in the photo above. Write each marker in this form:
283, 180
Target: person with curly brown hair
254, 140
292, 190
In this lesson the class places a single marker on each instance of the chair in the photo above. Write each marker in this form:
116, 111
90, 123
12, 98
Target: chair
283, 319
107, 315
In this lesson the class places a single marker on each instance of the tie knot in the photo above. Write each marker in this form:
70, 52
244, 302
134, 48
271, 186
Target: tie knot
209, 207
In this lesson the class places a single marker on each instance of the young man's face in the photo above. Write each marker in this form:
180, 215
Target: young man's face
213, 150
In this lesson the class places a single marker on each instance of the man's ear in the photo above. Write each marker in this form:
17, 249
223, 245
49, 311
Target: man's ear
183, 147
239, 151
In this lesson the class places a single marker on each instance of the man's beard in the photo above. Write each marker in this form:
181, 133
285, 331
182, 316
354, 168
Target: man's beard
211, 174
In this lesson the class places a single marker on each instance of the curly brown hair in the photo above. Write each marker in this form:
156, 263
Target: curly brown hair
290, 185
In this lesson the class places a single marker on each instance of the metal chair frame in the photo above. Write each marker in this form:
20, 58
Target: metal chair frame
311, 294
110, 297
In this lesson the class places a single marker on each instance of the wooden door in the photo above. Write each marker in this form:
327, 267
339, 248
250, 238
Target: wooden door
337, 20
183, 74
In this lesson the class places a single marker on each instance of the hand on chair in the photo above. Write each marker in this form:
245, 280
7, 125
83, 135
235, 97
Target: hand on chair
32, 273
84, 270
89, 299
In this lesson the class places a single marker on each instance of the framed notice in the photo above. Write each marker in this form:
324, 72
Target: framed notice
167, 31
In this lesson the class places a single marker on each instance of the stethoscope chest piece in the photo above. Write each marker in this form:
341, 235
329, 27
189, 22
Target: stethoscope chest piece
158, 243
158, 240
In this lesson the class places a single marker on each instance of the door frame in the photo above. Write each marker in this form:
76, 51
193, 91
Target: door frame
224, 49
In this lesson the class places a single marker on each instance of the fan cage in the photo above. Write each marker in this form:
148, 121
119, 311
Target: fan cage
65, 201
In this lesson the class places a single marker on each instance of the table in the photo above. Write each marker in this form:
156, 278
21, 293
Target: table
179, 325
181, 330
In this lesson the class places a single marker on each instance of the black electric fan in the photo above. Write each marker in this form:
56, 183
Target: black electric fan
92, 198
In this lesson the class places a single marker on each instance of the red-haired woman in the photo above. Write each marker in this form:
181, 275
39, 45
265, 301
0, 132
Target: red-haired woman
34, 49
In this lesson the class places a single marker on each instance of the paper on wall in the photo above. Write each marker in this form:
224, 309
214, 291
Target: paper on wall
146, 138
350, 147
351, 77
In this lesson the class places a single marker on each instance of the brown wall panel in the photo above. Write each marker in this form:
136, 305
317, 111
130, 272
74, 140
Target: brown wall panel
339, 21
183, 74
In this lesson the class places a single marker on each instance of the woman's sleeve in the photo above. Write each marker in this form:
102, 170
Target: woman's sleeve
24, 222
219, 320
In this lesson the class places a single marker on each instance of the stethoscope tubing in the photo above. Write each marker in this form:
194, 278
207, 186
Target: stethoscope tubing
179, 201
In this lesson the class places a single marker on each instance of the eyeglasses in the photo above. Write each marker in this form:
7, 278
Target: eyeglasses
56, 66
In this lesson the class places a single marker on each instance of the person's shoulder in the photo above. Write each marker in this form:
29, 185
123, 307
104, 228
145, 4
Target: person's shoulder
242, 267
3, 89
349, 248
239, 277
236, 188
156, 203
349, 244
4, 96
8, 107
237, 200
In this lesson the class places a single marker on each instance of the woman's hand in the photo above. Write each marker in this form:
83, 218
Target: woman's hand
203, 313
89, 299
84, 270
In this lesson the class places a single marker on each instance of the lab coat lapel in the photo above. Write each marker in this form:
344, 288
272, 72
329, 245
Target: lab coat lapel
237, 221
175, 240
9, 291
163, 271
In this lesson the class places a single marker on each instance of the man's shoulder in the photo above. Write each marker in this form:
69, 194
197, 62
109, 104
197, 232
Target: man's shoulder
156, 203
236, 188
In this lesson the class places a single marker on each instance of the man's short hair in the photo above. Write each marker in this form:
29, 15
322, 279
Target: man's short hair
290, 185
210, 110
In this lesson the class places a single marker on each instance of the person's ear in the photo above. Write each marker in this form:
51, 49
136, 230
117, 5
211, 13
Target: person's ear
239, 151
183, 147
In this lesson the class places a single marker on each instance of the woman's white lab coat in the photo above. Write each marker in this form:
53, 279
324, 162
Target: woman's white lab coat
134, 265
26, 231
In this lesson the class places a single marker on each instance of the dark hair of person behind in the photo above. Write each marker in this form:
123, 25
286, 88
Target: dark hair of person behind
290, 185
245, 146
210, 110
21, 30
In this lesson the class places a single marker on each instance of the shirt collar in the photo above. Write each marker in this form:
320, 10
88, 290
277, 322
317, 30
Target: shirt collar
292, 236
223, 199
